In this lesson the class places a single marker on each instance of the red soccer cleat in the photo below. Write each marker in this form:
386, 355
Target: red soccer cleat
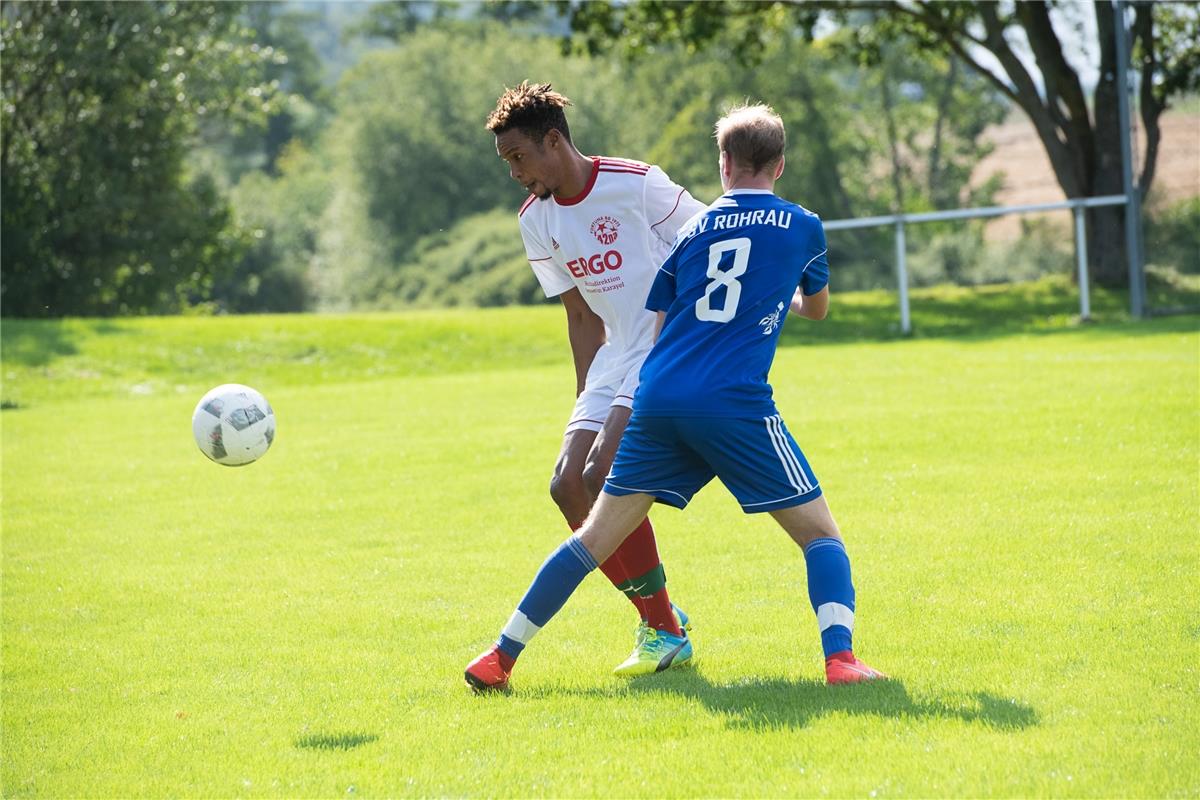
486, 673
843, 667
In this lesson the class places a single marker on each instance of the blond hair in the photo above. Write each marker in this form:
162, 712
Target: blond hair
752, 136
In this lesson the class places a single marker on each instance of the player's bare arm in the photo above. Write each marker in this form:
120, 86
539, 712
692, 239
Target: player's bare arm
813, 306
585, 330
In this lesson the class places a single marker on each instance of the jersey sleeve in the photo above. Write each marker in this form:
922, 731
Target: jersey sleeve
549, 276
668, 206
815, 275
662, 291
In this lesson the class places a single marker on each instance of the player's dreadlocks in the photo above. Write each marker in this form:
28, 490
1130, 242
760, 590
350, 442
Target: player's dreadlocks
533, 108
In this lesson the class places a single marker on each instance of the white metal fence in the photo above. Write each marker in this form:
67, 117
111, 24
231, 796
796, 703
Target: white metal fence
899, 221
1131, 199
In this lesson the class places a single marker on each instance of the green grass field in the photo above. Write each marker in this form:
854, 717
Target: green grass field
1020, 496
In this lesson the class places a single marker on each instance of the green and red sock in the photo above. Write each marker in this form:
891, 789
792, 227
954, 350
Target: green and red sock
648, 579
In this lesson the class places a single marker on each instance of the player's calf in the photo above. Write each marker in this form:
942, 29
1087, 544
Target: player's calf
830, 588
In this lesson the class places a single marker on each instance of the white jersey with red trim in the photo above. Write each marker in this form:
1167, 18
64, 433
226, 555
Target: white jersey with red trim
608, 242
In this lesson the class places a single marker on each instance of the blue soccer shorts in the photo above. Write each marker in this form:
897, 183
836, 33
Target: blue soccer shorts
672, 458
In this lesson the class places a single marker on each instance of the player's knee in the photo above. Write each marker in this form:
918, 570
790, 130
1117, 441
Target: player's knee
569, 493
594, 475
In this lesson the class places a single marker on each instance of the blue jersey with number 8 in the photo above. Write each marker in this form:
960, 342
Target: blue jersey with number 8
726, 286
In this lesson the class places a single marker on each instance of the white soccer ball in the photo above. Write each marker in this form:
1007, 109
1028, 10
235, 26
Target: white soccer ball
233, 425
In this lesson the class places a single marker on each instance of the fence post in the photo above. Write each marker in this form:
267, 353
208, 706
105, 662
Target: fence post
1133, 197
902, 278
1085, 303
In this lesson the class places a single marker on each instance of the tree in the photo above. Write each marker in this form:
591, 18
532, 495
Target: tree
297, 75
1081, 134
409, 158
100, 102
412, 156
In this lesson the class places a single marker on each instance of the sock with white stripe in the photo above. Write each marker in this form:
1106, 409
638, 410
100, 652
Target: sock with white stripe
558, 578
831, 592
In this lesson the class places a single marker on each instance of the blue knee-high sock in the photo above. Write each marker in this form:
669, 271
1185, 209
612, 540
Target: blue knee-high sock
558, 578
831, 593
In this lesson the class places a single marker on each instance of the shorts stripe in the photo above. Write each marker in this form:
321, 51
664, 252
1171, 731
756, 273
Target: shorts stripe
777, 500
791, 465
807, 484
779, 452
651, 492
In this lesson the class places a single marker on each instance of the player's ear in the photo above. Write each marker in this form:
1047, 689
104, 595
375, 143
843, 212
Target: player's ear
779, 168
552, 139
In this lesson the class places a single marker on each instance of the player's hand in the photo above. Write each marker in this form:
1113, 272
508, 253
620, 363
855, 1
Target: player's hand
797, 301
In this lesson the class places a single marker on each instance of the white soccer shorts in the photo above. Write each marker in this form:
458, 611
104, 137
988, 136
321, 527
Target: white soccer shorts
612, 381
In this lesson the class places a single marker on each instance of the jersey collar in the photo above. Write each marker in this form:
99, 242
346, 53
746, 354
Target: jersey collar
733, 192
587, 188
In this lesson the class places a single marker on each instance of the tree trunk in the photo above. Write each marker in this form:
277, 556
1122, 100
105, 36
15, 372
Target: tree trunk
936, 192
889, 115
827, 170
1106, 226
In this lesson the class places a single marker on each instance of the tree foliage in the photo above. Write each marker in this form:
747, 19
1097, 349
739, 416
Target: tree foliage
410, 159
412, 156
100, 102
1081, 134
384, 189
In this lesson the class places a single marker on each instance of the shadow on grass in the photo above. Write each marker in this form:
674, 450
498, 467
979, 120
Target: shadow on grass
334, 741
780, 703
35, 343
38, 342
784, 703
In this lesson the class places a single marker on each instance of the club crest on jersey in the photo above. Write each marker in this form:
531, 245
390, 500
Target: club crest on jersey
771, 321
605, 229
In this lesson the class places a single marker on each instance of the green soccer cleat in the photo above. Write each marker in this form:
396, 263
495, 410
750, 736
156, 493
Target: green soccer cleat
655, 651
681, 617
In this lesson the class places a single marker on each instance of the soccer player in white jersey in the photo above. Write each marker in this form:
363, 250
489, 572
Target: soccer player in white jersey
705, 409
595, 230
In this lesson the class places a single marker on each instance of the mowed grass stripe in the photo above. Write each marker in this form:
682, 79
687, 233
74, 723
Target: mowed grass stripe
1020, 511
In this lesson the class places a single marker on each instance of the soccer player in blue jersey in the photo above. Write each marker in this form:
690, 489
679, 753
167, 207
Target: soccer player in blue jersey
704, 408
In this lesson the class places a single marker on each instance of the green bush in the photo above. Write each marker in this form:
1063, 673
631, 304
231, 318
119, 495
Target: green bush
276, 222
1173, 237
480, 261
